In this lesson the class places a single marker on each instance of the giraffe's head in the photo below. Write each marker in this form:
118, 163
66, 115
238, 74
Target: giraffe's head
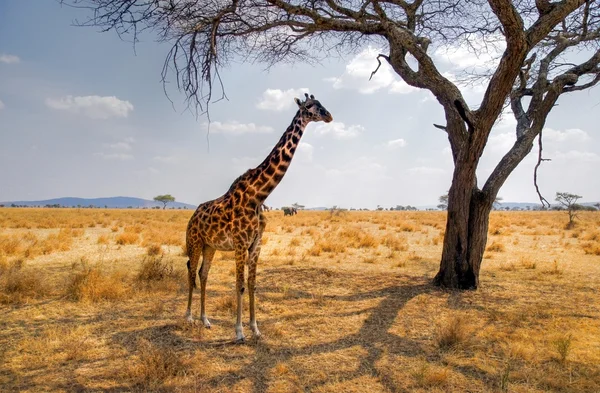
312, 110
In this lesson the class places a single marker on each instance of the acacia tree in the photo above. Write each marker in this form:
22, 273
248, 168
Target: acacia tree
569, 201
164, 199
532, 71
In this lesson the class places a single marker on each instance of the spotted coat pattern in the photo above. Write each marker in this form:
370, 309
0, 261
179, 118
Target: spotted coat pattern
235, 222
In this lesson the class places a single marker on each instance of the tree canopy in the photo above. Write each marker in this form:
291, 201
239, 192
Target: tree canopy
164, 199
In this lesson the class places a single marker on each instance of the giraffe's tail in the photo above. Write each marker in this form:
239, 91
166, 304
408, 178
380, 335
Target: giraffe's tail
191, 274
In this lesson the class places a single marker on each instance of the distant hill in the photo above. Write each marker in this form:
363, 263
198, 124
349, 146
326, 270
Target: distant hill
119, 202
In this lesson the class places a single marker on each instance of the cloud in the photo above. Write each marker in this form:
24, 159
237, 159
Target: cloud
95, 107
366, 169
124, 146
401, 87
502, 142
358, 71
114, 156
572, 134
475, 54
279, 100
339, 130
9, 59
576, 155
425, 170
2, 106
117, 151
395, 144
237, 128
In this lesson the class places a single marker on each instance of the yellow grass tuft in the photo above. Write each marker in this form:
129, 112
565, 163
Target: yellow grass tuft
19, 284
495, 247
451, 334
127, 238
90, 284
155, 365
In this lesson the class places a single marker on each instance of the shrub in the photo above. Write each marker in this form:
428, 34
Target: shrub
155, 364
495, 247
127, 238
563, 346
153, 250
451, 334
156, 269
90, 283
19, 284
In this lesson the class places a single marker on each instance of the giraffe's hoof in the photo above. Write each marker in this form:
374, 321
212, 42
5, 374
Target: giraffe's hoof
255, 332
206, 322
240, 340
189, 318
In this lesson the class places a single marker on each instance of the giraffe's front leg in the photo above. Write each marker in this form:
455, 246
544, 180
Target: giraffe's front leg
241, 256
252, 264
207, 257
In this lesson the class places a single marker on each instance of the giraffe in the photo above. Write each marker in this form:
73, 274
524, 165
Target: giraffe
234, 221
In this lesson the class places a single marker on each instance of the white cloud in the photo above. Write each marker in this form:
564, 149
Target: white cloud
576, 155
279, 100
359, 69
124, 146
360, 170
9, 59
2, 106
339, 130
114, 156
475, 54
573, 134
425, 170
395, 144
237, 128
501, 142
304, 152
401, 87
95, 107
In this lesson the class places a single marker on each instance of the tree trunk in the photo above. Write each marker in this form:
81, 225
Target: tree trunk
466, 230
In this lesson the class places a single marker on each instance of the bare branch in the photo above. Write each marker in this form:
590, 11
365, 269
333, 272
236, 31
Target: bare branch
379, 64
535, 172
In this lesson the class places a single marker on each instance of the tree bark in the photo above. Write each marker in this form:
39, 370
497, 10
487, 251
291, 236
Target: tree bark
466, 232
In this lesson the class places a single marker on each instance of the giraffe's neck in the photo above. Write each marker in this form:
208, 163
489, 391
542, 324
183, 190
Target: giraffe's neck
269, 173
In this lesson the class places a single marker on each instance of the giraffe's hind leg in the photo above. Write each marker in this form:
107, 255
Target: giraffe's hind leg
254, 253
207, 256
241, 258
192, 265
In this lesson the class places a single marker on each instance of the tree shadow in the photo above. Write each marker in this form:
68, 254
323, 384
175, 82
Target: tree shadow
373, 336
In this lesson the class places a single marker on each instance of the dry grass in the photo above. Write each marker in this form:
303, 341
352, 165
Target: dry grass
91, 284
344, 305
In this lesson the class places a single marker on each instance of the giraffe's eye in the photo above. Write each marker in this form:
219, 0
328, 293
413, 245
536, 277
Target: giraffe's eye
309, 106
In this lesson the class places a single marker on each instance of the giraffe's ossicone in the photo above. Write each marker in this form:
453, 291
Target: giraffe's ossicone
235, 222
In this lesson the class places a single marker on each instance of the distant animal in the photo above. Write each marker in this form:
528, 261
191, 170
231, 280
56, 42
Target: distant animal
289, 211
234, 221
265, 208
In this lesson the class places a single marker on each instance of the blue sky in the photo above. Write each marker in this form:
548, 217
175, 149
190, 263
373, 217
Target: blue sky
82, 114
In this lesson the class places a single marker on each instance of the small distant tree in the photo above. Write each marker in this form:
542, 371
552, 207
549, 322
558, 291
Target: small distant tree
569, 201
443, 202
597, 205
164, 199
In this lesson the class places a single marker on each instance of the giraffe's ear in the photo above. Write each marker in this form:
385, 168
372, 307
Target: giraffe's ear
298, 102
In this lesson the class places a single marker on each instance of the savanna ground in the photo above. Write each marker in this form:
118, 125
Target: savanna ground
93, 300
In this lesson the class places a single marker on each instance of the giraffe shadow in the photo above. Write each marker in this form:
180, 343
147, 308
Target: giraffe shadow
373, 338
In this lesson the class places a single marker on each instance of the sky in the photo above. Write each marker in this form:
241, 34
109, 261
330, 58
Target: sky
84, 114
